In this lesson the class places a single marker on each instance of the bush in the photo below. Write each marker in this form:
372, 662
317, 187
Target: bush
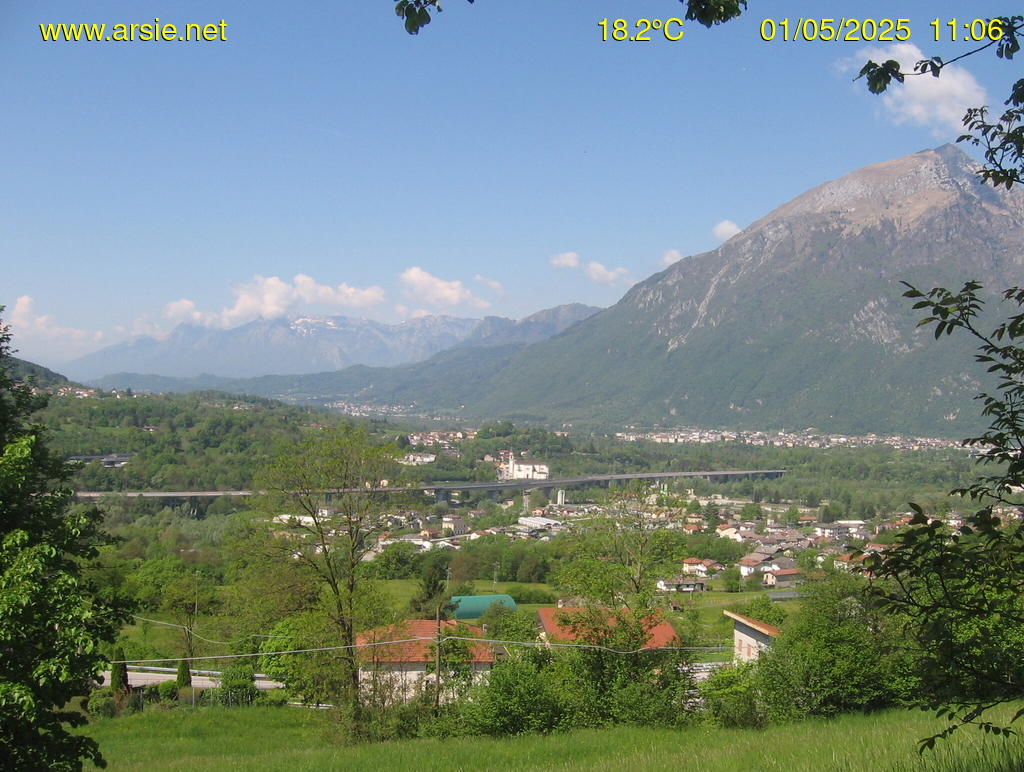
237, 686
168, 691
102, 703
523, 594
729, 698
135, 702
519, 697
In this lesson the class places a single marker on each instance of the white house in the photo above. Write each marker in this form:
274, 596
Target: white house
750, 637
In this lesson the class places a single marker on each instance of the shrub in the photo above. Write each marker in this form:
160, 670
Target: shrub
168, 691
135, 702
522, 594
237, 686
102, 703
729, 697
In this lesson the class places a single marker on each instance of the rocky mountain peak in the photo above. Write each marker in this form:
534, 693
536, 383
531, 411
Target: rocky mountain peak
901, 192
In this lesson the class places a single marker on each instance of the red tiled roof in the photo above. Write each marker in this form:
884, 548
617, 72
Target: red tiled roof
662, 634
415, 636
767, 629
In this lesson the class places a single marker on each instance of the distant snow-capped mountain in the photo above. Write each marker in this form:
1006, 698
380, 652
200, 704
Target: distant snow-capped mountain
310, 344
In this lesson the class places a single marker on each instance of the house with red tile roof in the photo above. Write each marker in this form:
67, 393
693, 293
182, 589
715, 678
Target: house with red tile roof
403, 651
555, 629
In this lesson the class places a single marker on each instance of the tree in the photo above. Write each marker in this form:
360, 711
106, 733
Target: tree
119, 673
416, 13
839, 654
52, 621
961, 588
183, 678
185, 598
326, 495
622, 554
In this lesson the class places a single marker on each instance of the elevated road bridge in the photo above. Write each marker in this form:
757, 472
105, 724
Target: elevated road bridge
443, 490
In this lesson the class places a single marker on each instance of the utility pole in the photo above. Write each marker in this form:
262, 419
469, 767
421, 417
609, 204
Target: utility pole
437, 663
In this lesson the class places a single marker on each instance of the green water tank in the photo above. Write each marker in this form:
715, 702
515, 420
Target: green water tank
473, 606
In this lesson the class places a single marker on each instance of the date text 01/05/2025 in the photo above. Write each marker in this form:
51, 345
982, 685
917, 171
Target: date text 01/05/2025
880, 30
672, 29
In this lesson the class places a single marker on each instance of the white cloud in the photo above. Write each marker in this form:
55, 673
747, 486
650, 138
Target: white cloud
923, 100
180, 311
725, 230
342, 295
671, 256
598, 274
492, 283
565, 260
271, 298
26, 323
422, 287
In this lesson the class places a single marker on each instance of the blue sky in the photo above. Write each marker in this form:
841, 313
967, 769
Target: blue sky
505, 160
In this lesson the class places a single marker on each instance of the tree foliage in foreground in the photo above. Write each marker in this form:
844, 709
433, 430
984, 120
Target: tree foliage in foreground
416, 13
51, 620
962, 590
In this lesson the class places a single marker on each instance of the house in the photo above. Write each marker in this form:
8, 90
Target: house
417, 459
403, 651
729, 532
555, 630
832, 530
781, 563
692, 565
783, 578
681, 584
454, 525
752, 563
750, 637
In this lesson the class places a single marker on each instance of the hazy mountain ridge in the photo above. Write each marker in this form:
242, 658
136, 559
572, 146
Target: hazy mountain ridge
796, 322
309, 344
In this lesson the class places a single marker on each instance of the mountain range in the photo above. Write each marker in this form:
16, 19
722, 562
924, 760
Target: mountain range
309, 344
796, 322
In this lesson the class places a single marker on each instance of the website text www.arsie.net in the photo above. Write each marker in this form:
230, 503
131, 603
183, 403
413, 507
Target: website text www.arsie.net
134, 32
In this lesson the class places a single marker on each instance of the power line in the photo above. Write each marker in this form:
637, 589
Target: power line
531, 644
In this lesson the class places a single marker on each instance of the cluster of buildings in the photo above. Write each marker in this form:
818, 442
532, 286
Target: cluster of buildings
806, 439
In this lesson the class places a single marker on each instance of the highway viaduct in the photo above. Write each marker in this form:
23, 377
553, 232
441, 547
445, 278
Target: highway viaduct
442, 491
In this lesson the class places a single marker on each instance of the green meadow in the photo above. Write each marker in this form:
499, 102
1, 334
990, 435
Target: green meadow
300, 740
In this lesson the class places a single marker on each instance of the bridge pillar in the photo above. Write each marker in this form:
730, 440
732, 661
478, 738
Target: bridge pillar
441, 495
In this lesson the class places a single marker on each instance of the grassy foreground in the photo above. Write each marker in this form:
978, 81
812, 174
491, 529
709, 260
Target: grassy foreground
299, 740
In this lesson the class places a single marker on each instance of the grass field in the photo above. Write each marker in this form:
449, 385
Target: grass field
299, 740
